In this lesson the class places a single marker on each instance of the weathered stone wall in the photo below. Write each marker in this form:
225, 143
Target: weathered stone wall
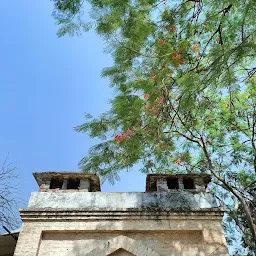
86, 200
83, 243
74, 234
178, 223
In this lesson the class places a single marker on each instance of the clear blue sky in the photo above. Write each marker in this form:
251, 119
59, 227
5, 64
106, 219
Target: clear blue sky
47, 83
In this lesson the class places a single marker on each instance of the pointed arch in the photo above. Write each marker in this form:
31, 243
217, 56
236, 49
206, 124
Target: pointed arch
121, 252
122, 242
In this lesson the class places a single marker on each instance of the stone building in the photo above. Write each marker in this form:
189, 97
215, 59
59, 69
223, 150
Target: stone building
70, 216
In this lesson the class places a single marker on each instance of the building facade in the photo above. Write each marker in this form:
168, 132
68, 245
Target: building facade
70, 216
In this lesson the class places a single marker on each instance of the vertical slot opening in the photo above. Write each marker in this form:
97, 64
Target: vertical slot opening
173, 183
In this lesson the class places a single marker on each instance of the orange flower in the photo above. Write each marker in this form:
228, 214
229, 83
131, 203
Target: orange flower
117, 137
181, 61
145, 96
148, 109
160, 100
161, 42
172, 28
176, 56
123, 136
178, 162
195, 47
128, 131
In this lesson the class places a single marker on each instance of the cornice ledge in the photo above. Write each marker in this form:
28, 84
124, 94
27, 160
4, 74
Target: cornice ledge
127, 213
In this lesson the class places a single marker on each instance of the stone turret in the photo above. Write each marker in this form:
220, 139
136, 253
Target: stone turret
67, 182
178, 182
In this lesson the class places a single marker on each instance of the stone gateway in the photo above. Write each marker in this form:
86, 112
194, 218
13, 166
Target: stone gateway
69, 216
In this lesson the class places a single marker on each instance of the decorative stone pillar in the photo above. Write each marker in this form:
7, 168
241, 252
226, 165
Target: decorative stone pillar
45, 185
162, 185
65, 183
181, 186
84, 185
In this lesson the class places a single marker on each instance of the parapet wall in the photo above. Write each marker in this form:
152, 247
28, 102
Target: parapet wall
177, 200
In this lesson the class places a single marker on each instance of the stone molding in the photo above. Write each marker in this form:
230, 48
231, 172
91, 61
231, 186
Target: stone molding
118, 214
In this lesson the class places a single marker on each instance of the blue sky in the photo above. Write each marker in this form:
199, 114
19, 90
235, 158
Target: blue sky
47, 83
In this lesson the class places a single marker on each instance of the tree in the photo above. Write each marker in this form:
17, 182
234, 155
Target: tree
186, 94
8, 197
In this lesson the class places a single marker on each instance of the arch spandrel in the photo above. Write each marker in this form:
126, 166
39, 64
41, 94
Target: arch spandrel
119, 243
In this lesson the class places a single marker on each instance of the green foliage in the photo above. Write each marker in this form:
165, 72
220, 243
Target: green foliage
68, 13
186, 92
